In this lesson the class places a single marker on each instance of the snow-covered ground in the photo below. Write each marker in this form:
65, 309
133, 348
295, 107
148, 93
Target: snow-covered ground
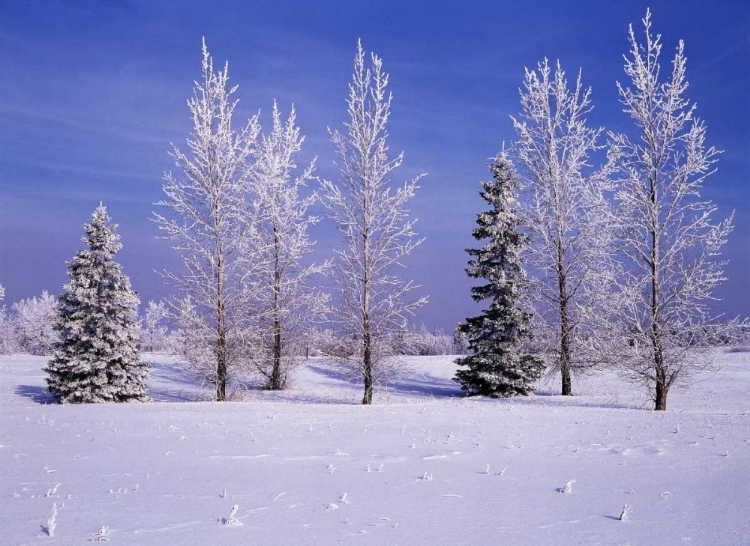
421, 466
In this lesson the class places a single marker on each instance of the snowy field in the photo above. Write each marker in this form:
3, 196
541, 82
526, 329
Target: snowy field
421, 466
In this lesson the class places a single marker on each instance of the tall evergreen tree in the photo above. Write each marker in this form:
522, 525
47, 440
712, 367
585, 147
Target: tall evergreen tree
96, 359
497, 365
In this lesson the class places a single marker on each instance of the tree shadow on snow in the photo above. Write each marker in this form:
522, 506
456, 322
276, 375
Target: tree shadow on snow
420, 384
426, 385
36, 394
552, 398
331, 372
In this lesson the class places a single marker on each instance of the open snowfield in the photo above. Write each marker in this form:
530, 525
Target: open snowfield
421, 466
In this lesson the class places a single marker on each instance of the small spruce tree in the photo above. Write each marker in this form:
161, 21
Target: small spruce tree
496, 364
96, 359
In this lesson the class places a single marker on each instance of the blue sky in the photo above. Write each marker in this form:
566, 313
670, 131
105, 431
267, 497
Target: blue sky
92, 93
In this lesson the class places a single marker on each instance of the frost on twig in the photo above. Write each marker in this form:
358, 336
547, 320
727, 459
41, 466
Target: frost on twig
377, 231
667, 237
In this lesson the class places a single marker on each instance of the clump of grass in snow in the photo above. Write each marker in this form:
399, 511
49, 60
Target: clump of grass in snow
102, 535
231, 520
625, 514
52, 492
52, 522
568, 487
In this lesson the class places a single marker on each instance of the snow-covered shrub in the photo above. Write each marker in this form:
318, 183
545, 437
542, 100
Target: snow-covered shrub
432, 343
8, 339
34, 324
196, 343
153, 333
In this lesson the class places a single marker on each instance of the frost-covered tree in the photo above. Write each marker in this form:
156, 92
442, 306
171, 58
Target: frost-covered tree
288, 304
7, 328
96, 359
667, 236
566, 215
497, 364
375, 225
153, 333
34, 324
208, 220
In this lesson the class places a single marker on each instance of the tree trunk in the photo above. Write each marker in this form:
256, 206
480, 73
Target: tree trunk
221, 369
367, 365
366, 334
660, 401
567, 385
221, 327
367, 345
221, 355
276, 380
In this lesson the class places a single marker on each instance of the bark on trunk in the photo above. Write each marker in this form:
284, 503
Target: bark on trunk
221, 367
660, 401
366, 333
276, 377
221, 326
221, 351
565, 359
367, 365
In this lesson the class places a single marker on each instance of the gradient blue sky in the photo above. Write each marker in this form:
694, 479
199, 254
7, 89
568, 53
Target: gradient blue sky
92, 93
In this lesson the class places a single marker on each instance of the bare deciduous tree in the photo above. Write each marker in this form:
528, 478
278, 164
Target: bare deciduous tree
208, 219
375, 225
289, 304
566, 214
669, 241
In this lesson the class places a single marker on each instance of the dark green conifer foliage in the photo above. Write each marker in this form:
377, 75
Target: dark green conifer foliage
496, 364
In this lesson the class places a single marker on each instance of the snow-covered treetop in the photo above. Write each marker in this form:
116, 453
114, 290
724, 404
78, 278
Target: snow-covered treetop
100, 234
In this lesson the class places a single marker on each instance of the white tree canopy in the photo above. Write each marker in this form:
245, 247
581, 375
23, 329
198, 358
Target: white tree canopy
208, 221
566, 214
377, 231
668, 238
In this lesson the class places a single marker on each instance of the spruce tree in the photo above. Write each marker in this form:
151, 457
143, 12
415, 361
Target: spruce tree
96, 359
496, 364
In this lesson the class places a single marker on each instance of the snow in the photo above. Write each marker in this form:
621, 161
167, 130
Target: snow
422, 465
